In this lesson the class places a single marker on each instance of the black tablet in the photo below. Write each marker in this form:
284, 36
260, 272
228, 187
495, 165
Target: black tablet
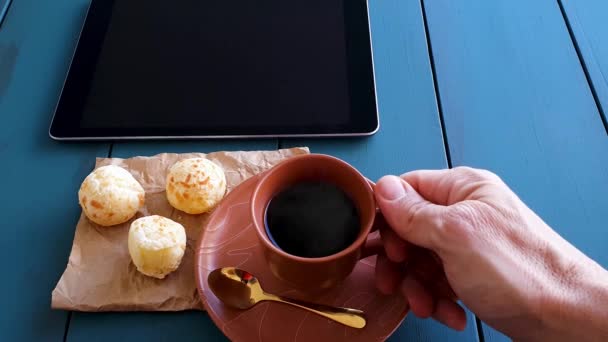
220, 68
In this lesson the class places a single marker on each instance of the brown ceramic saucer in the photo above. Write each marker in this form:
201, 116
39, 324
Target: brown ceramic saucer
230, 240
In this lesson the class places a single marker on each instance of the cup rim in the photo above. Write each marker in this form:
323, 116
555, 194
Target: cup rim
353, 247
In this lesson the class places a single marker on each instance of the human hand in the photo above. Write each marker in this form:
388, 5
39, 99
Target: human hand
463, 234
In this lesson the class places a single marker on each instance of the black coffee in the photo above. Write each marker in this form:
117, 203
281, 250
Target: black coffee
312, 219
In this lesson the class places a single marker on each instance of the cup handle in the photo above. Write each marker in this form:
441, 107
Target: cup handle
373, 245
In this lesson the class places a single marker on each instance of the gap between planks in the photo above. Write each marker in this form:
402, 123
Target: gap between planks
581, 59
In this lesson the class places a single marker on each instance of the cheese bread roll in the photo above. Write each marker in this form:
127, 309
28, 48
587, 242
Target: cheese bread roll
195, 185
110, 195
156, 245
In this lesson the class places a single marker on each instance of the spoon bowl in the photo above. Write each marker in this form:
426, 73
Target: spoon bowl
241, 290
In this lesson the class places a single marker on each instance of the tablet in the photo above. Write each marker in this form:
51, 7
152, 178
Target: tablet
218, 69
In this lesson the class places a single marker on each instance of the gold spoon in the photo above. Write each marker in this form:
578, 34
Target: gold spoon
240, 289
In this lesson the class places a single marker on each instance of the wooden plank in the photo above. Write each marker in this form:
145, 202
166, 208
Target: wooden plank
182, 326
39, 177
143, 326
150, 148
516, 101
587, 20
410, 136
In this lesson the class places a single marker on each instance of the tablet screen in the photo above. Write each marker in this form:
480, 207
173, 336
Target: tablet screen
268, 67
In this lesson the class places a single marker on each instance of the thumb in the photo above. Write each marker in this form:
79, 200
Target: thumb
411, 216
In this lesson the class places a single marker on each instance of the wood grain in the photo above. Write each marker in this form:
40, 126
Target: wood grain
516, 101
39, 178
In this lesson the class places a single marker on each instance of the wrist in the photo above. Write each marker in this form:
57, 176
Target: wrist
575, 306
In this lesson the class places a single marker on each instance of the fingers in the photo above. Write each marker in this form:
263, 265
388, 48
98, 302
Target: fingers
388, 275
420, 300
424, 304
414, 208
433, 185
394, 246
411, 217
448, 186
451, 314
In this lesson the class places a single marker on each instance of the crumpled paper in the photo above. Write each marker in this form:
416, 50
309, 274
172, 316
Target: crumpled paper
100, 275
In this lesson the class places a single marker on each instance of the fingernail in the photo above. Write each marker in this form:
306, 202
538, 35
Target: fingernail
390, 188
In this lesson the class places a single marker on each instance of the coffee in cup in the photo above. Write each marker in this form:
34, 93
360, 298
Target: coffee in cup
312, 219
313, 216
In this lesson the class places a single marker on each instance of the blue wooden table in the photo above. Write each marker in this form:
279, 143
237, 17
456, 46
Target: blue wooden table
519, 87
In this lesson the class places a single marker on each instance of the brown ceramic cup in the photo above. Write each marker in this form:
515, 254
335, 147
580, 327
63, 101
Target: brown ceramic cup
314, 274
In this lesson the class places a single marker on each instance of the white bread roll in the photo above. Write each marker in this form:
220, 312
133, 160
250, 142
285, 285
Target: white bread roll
156, 245
195, 185
110, 195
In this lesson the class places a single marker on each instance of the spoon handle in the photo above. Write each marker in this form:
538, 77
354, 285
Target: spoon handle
350, 317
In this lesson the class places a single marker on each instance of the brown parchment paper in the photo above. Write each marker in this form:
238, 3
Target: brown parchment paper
100, 276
